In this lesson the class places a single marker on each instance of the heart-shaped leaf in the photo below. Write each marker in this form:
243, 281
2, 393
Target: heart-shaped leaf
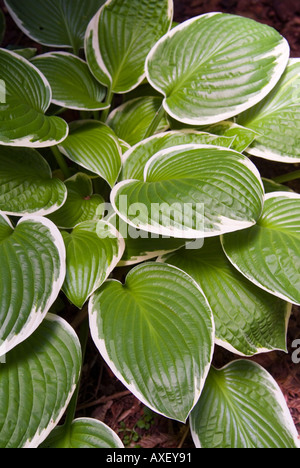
242, 406
32, 271
73, 86
268, 253
83, 433
279, 110
164, 355
94, 249
119, 38
131, 120
27, 97
191, 192
94, 146
214, 66
55, 23
81, 204
27, 185
32, 397
248, 320
135, 159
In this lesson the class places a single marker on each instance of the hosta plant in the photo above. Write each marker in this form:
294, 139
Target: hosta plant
130, 141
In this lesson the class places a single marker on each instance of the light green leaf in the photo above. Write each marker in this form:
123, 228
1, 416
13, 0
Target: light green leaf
131, 120
32, 397
32, 272
94, 249
191, 192
140, 245
243, 137
135, 159
238, 62
55, 23
27, 96
242, 406
119, 38
27, 185
2, 25
94, 146
73, 86
83, 433
279, 110
156, 334
81, 204
268, 253
248, 320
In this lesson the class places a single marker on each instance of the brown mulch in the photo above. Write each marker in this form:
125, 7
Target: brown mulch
102, 396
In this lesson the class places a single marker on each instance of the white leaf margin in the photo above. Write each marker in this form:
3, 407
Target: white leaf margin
277, 394
101, 346
249, 277
283, 47
226, 225
37, 315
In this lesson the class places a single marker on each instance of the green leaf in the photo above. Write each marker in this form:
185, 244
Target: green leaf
131, 120
140, 245
32, 397
55, 23
2, 25
191, 192
268, 253
248, 320
27, 185
243, 137
156, 334
94, 146
94, 249
279, 110
119, 38
135, 159
27, 98
73, 86
238, 63
83, 433
242, 406
81, 204
32, 271
271, 186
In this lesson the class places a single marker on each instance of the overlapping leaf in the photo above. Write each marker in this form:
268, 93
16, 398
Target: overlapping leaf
32, 397
32, 271
248, 320
119, 38
135, 159
27, 185
73, 86
268, 253
82, 434
94, 146
243, 137
156, 333
131, 120
279, 110
242, 406
140, 245
81, 204
238, 62
27, 97
94, 248
192, 191
57, 23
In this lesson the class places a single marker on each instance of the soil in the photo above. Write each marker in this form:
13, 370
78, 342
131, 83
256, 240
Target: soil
102, 396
